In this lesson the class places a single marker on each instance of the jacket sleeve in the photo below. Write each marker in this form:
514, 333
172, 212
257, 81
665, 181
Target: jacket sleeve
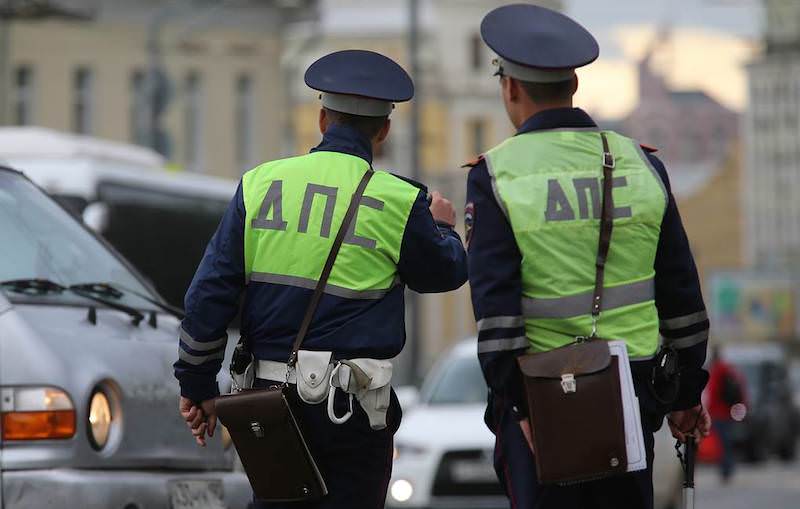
211, 303
432, 257
683, 321
496, 283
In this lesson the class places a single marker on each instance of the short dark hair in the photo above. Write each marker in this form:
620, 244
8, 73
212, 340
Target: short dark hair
549, 92
368, 126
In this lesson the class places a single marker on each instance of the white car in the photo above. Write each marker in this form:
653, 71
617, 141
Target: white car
443, 449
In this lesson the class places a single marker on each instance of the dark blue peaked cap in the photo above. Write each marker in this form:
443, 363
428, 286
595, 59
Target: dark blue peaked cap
359, 82
537, 44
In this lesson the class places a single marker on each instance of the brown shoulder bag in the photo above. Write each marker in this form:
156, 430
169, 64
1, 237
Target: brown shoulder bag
261, 423
573, 392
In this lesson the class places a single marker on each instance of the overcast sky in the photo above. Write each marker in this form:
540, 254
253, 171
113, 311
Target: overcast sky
736, 17
711, 42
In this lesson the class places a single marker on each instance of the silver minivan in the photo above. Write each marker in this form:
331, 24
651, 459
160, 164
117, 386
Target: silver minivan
88, 403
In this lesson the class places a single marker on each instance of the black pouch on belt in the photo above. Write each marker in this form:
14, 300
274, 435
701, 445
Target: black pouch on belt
241, 357
665, 380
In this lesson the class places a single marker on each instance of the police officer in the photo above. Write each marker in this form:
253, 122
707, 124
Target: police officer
271, 246
532, 213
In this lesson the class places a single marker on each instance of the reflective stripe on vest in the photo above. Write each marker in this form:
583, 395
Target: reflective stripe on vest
574, 305
310, 284
548, 183
294, 208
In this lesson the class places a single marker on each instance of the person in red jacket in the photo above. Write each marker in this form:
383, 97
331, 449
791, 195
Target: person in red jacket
725, 392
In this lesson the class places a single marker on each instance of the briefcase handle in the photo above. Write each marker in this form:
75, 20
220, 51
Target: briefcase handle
305, 325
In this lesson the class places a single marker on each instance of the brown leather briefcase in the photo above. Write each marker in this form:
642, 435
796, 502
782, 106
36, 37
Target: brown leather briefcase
271, 446
263, 428
573, 393
576, 414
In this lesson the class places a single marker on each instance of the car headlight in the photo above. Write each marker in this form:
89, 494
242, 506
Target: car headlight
36, 413
100, 419
401, 490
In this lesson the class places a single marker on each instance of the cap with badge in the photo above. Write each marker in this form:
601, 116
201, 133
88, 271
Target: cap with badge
537, 44
359, 82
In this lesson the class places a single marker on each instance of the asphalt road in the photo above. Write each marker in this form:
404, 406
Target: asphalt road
770, 485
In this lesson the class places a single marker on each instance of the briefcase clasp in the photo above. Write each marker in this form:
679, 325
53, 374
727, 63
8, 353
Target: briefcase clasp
257, 429
568, 383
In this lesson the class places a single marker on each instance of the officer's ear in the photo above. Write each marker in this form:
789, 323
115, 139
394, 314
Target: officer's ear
323, 120
384, 132
511, 89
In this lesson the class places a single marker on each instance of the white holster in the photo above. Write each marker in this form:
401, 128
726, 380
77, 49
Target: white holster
369, 381
318, 378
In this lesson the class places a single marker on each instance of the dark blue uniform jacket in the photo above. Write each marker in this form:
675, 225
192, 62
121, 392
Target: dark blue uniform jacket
432, 259
495, 279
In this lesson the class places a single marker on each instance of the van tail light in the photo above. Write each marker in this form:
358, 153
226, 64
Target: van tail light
36, 413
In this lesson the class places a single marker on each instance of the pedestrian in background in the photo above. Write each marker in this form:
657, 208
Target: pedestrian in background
532, 217
725, 393
270, 249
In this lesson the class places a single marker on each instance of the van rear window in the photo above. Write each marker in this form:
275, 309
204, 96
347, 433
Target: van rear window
73, 204
163, 233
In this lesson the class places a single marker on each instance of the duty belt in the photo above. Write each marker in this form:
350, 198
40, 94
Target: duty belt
318, 377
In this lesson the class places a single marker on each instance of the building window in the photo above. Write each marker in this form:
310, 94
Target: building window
476, 52
193, 121
244, 121
476, 135
23, 96
138, 108
82, 101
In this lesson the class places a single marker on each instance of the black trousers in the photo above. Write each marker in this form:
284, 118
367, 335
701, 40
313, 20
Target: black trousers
354, 459
516, 469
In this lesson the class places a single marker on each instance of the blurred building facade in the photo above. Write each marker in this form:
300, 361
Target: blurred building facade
222, 97
713, 217
772, 143
688, 126
460, 108
697, 138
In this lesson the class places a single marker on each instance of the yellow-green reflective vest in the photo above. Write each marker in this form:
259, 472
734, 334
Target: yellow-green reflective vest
294, 208
549, 184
